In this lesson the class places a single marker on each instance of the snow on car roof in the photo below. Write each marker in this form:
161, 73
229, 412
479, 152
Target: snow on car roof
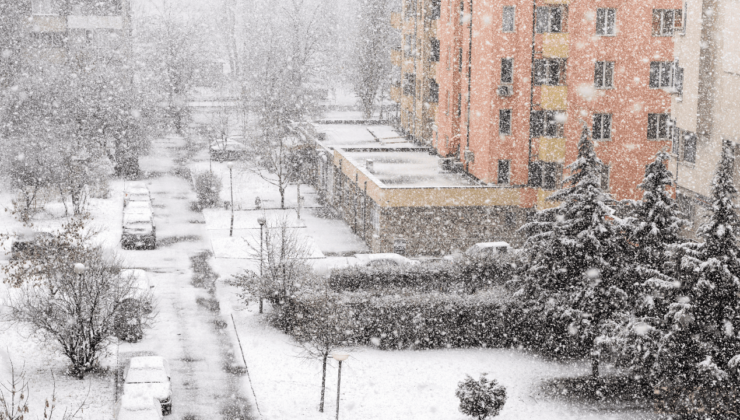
147, 369
381, 256
147, 362
483, 245
131, 218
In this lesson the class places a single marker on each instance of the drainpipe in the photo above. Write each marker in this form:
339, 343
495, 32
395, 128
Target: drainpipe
470, 73
416, 55
531, 89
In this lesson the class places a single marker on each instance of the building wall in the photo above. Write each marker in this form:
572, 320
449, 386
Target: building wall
629, 102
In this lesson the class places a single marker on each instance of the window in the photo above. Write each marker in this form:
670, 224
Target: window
504, 122
411, 9
667, 21
551, 19
550, 72
605, 177
49, 39
462, 12
504, 169
604, 75
678, 79
606, 22
409, 48
46, 7
458, 111
547, 124
434, 50
435, 9
545, 174
460, 60
602, 128
433, 91
689, 146
509, 19
661, 74
507, 70
409, 84
658, 127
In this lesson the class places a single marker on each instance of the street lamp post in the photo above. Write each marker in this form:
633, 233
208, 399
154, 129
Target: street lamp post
340, 358
230, 165
262, 223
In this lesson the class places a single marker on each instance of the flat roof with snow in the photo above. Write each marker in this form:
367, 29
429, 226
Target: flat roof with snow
406, 168
359, 135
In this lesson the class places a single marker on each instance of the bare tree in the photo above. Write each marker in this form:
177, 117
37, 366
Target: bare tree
372, 65
14, 397
282, 254
75, 309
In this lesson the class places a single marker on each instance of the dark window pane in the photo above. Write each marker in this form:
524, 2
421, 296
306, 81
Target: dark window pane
537, 123
543, 19
599, 74
657, 18
508, 18
676, 141
652, 132
553, 72
535, 174
662, 126
600, 21
605, 178
556, 19
665, 73
611, 21
609, 74
607, 127
436, 6
597, 127
667, 22
689, 154
507, 70
655, 74
504, 126
551, 125
540, 72
503, 171
434, 53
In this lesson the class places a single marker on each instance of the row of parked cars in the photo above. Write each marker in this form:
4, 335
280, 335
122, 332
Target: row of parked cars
139, 230
147, 391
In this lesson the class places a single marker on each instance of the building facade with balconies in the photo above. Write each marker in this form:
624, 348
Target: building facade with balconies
705, 106
416, 61
518, 79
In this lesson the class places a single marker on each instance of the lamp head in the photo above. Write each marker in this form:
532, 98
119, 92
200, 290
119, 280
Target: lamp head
79, 268
261, 221
340, 357
230, 165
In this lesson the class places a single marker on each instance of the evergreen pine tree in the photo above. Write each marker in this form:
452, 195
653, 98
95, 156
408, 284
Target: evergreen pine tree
703, 345
653, 227
573, 269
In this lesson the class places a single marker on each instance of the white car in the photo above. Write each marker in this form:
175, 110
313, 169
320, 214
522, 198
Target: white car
136, 192
488, 249
139, 231
138, 407
386, 259
141, 207
150, 376
135, 307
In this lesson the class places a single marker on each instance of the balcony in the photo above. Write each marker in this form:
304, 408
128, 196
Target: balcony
396, 57
554, 98
396, 21
555, 45
552, 150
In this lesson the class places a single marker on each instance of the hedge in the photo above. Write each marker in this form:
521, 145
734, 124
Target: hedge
489, 318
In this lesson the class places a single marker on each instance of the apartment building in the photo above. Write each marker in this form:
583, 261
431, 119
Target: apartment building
416, 61
705, 104
57, 26
518, 79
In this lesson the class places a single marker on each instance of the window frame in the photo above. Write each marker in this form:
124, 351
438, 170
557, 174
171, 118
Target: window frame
504, 122
550, 127
665, 70
656, 123
545, 65
507, 62
506, 22
608, 68
547, 27
506, 179
605, 124
662, 29
605, 24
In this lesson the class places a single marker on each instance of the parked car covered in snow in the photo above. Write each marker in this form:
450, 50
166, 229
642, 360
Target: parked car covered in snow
230, 149
384, 259
139, 231
138, 407
486, 249
136, 192
149, 376
138, 207
137, 306
29, 243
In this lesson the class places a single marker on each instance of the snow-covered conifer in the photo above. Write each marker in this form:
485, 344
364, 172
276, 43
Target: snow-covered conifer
574, 253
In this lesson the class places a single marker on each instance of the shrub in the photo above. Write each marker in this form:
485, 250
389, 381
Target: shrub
208, 189
434, 277
481, 398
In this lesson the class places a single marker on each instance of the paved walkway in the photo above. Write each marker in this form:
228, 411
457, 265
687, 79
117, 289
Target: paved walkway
190, 330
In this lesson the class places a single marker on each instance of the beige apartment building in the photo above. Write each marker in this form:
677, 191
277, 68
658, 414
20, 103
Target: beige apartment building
706, 102
417, 91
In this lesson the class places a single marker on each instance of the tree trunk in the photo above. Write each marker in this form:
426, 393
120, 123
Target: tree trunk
260, 305
282, 198
594, 363
323, 383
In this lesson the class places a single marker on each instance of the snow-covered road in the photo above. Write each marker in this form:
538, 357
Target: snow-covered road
189, 331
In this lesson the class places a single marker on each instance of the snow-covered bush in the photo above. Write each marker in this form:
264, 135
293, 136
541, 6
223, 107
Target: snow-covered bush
438, 277
208, 189
482, 398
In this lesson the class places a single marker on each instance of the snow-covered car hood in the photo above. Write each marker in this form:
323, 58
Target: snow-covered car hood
158, 390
